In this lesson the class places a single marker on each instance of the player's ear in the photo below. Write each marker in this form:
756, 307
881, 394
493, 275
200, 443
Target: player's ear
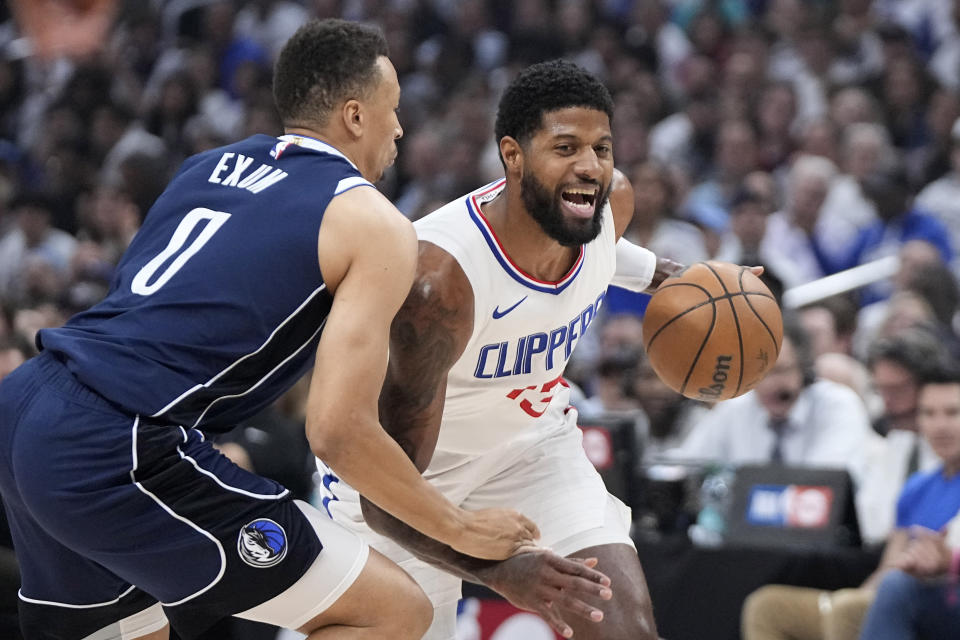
352, 115
512, 154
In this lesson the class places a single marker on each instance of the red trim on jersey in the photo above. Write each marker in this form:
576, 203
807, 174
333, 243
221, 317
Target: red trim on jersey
493, 234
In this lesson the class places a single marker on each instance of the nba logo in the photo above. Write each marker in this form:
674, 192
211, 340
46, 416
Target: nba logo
792, 506
809, 507
262, 543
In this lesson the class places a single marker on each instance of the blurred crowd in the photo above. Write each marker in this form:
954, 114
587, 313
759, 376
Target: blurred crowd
808, 136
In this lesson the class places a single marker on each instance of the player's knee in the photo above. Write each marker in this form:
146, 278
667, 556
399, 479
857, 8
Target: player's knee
630, 622
412, 612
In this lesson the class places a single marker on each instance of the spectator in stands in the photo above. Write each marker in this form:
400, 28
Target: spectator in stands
667, 417
928, 500
735, 157
612, 386
933, 159
789, 232
897, 366
13, 353
920, 596
654, 224
776, 113
830, 322
685, 138
743, 243
33, 244
789, 418
850, 372
865, 146
942, 197
924, 291
898, 222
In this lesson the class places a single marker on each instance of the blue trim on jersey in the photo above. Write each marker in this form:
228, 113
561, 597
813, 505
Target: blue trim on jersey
512, 270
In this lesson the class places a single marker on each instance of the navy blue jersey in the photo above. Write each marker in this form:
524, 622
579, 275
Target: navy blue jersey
217, 306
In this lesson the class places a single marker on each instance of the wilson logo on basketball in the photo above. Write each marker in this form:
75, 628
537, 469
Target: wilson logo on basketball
720, 372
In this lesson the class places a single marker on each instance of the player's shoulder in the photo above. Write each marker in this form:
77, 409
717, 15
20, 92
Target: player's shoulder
460, 207
621, 201
441, 286
362, 220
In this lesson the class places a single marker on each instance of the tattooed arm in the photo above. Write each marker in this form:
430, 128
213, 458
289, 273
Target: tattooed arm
428, 334
427, 337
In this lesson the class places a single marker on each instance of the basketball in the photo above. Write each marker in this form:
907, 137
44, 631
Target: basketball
712, 331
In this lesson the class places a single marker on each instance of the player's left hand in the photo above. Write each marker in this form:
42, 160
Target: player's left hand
757, 271
550, 585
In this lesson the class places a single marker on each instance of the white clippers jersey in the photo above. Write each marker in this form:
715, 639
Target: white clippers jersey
509, 381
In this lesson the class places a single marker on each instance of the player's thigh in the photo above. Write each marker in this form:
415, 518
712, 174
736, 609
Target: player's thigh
65, 596
629, 614
555, 485
382, 596
159, 507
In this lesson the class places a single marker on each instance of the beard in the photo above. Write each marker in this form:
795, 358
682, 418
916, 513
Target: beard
545, 208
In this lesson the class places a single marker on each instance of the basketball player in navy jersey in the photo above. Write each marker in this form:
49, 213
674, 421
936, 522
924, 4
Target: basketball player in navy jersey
259, 260
509, 277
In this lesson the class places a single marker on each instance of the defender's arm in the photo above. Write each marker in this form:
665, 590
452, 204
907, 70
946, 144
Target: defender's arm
368, 256
427, 337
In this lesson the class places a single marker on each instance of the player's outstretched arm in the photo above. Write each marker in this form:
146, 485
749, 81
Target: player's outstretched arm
368, 258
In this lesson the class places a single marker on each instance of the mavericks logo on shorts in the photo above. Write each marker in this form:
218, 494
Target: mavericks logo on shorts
262, 543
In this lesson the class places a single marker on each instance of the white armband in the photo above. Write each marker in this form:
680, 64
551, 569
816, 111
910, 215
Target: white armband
635, 266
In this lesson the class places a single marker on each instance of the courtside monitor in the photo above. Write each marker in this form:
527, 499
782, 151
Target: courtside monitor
610, 443
778, 506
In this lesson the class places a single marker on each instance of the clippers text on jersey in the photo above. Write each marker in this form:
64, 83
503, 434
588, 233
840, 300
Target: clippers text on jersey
516, 357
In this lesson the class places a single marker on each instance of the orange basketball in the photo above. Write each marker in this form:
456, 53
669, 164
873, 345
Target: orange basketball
712, 331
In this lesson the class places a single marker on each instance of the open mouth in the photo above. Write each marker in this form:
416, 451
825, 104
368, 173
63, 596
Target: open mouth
580, 200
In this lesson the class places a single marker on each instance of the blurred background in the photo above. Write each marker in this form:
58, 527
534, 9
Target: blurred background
810, 136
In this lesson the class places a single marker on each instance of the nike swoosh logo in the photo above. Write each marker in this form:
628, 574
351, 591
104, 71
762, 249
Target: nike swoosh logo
497, 314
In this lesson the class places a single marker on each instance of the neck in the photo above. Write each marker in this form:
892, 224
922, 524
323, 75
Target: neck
903, 422
339, 142
536, 253
951, 468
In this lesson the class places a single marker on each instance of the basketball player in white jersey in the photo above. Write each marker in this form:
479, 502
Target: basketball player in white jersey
509, 279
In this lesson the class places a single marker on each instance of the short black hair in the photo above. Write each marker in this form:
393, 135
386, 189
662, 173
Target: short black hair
544, 87
745, 195
324, 63
917, 350
36, 200
944, 373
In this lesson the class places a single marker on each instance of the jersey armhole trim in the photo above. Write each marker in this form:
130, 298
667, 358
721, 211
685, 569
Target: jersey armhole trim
349, 183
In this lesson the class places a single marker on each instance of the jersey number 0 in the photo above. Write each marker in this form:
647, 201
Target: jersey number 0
141, 284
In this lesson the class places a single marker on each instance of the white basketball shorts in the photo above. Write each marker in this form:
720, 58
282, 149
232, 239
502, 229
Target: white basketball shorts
546, 477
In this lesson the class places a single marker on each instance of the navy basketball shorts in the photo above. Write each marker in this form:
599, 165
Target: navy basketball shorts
111, 514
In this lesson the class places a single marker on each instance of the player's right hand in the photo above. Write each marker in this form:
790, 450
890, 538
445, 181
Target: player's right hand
551, 586
495, 534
